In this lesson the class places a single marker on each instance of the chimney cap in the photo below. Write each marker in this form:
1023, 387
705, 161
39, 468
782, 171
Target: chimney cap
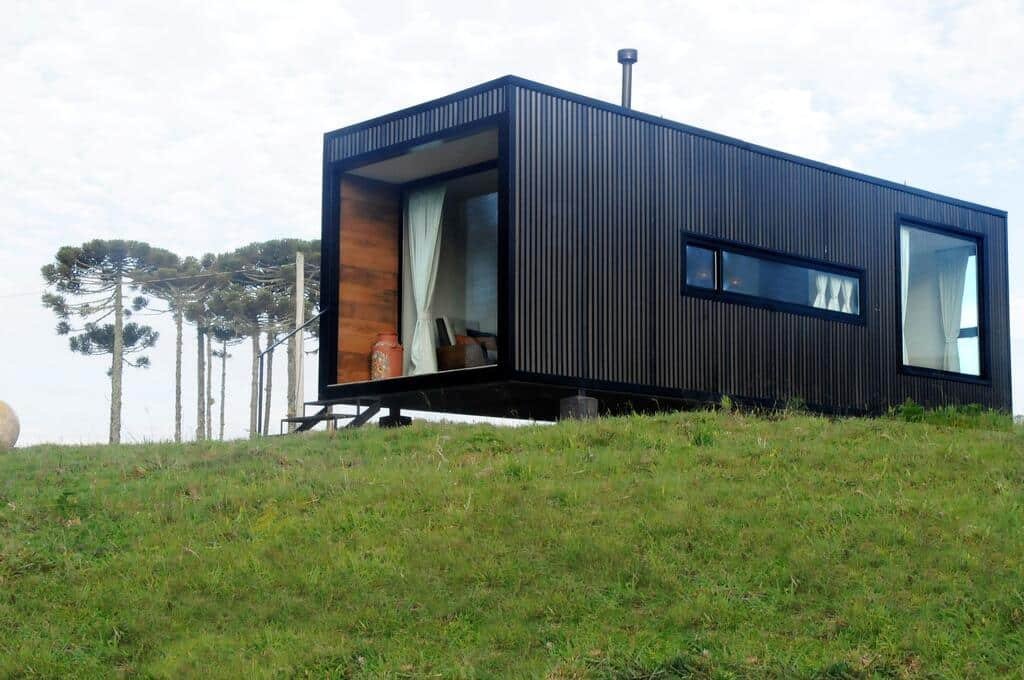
627, 56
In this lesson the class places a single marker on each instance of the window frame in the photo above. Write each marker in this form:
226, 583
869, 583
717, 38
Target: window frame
329, 389
717, 245
979, 239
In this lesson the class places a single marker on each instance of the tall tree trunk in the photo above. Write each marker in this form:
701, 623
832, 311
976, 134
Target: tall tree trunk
200, 383
255, 385
223, 377
293, 409
269, 384
117, 365
177, 374
209, 386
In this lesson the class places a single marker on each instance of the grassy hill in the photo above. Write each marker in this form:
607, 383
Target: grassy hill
696, 545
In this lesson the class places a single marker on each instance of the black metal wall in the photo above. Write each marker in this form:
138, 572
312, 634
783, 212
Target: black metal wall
599, 200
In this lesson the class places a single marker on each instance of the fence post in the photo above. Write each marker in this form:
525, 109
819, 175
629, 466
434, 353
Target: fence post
298, 398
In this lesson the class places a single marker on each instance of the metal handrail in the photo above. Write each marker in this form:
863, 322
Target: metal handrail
291, 333
259, 394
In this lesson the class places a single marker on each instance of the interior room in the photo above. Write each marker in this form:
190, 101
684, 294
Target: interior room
418, 292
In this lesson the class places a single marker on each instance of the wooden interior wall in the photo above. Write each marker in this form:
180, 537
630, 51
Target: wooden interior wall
368, 288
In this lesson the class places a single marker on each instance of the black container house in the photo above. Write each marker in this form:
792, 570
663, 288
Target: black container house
526, 244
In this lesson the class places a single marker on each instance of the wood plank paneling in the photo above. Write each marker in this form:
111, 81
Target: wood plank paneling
368, 288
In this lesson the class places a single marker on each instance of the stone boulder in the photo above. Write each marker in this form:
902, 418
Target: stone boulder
10, 428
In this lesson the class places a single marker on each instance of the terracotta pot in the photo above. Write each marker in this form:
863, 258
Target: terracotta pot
386, 357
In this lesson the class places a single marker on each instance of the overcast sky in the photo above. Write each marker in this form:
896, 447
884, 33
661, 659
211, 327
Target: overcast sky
198, 127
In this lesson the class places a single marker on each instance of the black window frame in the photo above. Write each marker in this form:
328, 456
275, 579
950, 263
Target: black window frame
718, 294
984, 353
328, 387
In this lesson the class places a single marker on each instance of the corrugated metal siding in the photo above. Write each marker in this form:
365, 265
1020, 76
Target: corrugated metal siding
571, 222
600, 201
423, 121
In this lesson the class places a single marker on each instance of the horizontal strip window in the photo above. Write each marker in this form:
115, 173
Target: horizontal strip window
763, 278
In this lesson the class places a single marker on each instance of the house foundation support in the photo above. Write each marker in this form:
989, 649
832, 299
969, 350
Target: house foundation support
577, 407
394, 418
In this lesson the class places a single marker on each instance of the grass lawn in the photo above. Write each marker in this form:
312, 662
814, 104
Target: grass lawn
693, 545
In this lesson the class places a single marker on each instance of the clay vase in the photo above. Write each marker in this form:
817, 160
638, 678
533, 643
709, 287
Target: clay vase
386, 357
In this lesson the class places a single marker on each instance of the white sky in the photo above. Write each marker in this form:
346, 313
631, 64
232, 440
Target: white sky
198, 127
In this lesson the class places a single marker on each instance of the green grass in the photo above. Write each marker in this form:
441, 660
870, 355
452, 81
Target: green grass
696, 545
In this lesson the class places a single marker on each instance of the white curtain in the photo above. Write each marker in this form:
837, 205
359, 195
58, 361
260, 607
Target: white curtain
834, 284
848, 296
423, 210
821, 286
951, 266
904, 284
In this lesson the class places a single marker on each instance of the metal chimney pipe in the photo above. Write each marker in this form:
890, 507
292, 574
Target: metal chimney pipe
627, 58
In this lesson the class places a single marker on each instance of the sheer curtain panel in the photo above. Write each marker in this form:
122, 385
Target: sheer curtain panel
423, 210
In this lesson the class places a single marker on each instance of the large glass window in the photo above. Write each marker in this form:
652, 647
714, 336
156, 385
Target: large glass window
450, 277
418, 252
769, 279
939, 301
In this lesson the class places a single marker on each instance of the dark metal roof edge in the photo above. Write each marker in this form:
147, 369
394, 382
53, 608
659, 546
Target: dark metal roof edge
663, 122
417, 108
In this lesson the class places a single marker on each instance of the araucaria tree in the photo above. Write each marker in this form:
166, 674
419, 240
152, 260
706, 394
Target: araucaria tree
243, 308
178, 283
225, 336
88, 285
260, 300
198, 312
270, 265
